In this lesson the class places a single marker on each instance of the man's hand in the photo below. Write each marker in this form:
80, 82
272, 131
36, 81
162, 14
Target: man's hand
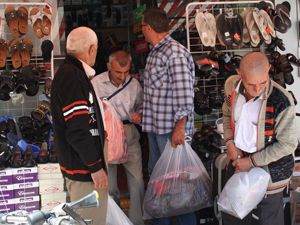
178, 135
100, 179
136, 118
233, 152
242, 165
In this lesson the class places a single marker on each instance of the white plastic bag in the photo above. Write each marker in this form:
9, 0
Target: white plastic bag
115, 215
243, 192
179, 184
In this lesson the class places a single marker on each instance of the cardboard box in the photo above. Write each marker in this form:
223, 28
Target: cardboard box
295, 206
24, 175
49, 168
7, 206
49, 176
6, 177
6, 192
48, 201
51, 186
27, 203
295, 183
26, 189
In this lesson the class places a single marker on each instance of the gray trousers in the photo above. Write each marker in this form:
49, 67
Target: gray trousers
133, 169
268, 212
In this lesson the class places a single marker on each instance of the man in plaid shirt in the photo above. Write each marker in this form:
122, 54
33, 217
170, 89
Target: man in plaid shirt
168, 93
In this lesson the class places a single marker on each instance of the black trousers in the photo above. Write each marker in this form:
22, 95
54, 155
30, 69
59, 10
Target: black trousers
268, 212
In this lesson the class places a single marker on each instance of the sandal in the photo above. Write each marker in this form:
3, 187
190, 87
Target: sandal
36, 20
15, 53
43, 156
26, 47
253, 29
41, 111
293, 59
3, 52
23, 19
46, 21
246, 35
12, 17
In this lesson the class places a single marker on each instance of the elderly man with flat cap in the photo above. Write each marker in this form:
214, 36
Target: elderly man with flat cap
260, 131
78, 123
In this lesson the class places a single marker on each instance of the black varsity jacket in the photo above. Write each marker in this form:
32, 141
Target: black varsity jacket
77, 122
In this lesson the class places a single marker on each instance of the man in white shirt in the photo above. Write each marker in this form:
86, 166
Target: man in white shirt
128, 104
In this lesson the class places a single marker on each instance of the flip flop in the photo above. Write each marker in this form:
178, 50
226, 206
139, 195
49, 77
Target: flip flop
281, 20
36, 20
203, 29
219, 35
211, 21
3, 52
26, 47
246, 35
46, 21
11, 16
23, 19
237, 29
262, 25
224, 28
270, 27
253, 30
14, 47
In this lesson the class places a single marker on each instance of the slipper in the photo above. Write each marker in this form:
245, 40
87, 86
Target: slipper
262, 25
219, 35
203, 29
293, 59
237, 29
281, 20
211, 21
270, 25
14, 47
26, 47
3, 52
224, 28
253, 29
288, 78
246, 35
36, 20
23, 19
11, 16
46, 21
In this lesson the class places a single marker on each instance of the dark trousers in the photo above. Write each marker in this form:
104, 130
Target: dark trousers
268, 212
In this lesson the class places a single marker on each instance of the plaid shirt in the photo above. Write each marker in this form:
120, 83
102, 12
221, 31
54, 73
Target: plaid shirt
168, 88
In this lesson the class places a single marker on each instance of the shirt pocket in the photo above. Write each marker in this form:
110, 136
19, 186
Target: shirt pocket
157, 77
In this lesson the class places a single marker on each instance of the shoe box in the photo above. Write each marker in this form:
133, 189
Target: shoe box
19, 189
49, 201
51, 184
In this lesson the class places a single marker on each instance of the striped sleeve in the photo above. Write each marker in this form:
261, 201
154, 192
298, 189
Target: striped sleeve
74, 109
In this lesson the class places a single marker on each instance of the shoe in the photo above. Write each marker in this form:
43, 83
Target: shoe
28, 157
16, 160
43, 156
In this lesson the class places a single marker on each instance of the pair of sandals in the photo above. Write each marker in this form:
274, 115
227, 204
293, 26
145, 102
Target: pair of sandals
230, 29
41, 21
206, 27
21, 51
17, 20
280, 15
41, 111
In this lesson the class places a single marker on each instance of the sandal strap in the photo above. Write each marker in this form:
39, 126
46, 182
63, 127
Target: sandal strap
11, 15
23, 15
15, 47
25, 47
35, 17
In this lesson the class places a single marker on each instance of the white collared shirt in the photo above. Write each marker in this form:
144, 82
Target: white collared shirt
246, 119
129, 100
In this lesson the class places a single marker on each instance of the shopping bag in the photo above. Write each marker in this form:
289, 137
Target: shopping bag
116, 138
115, 215
179, 184
243, 192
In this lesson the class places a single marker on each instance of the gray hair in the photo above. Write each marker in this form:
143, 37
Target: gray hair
121, 56
80, 39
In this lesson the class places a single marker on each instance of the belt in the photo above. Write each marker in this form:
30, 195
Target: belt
126, 122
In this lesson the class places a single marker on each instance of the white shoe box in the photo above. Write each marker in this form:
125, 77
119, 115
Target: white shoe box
6, 176
49, 168
7, 205
6, 192
51, 186
49, 201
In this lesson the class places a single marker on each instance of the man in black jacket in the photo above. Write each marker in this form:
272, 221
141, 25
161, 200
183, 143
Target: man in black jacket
78, 123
